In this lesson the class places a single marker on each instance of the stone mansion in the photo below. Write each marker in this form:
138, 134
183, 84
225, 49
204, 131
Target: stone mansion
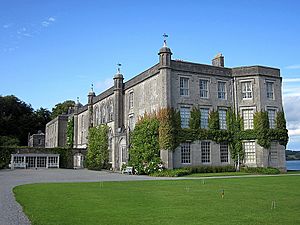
182, 85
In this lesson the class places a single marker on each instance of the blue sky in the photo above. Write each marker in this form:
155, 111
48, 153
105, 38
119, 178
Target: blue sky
51, 51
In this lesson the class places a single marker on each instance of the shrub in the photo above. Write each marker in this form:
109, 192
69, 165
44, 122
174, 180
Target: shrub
260, 170
195, 169
144, 146
172, 173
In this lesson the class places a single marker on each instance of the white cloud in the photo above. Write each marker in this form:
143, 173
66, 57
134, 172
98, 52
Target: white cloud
45, 23
294, 132
51, 19
293, 67
103, 85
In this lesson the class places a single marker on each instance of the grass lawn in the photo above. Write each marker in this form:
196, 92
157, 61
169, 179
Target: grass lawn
246, 201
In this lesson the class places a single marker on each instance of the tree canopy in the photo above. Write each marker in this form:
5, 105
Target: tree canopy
18, 119
62, 108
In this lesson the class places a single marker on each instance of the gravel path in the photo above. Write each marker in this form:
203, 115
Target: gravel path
11, 212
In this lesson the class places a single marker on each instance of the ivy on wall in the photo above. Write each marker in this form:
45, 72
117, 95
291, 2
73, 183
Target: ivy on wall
261, 128
165, 128
70, 132
195, 118
97, 154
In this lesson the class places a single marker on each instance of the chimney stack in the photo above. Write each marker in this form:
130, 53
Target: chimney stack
218, 60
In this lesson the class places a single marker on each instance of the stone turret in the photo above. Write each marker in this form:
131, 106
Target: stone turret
76, 108
118, 103
165, 56
91, 96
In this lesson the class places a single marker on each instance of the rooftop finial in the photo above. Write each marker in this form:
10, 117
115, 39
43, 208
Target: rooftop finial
165, 39
92, 87
119, 68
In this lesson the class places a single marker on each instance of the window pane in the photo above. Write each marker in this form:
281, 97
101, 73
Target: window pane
224, 152
186, 152
221, 90
205, 152
247, 89
185, 116
248, 118
203, 89
272, 115
222, 119
204, 118
184, 86
249, 148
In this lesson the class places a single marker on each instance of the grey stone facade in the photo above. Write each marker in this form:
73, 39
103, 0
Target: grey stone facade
37, 140
182, 85
56, 132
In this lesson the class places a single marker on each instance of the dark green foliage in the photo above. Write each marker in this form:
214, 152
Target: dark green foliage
65, 157
194, 169
261, 127
281, 133
97, 154
213, 121
195, 118
18, 119
172, 173
260, 170
9, 141
70, 132
280, 120
144, 150
62, 108
234, 129
5, 156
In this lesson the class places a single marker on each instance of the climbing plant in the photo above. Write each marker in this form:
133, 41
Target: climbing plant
261, 127
144, 150
70, 132
97, 154
195, 118
213, 120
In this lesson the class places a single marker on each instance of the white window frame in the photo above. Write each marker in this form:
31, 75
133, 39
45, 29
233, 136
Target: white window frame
248, 118
250, 153
272, 121
270, 90
205, 152
222, 90
184, 83
185, 115
204, 90
204, 120
185, 153
224, 153
247, 89
222, 119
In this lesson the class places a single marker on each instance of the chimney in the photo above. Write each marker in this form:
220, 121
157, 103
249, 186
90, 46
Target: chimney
218, 60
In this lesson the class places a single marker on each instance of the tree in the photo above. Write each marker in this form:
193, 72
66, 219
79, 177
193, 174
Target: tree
17, 120
62, 108
41, 118
144, 149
